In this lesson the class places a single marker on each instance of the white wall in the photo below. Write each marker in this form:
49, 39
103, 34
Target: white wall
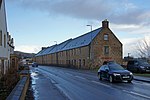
4, 53
3, 27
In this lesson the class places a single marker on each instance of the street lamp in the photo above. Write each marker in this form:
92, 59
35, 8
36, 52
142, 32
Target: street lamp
129, 54
91, 49
90, 26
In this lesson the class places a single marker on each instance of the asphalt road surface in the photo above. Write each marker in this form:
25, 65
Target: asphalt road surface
61, 83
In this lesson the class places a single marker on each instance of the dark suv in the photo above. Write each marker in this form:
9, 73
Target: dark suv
139, 66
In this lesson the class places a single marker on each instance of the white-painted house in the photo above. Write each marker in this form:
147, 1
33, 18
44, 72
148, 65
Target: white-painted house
6, 42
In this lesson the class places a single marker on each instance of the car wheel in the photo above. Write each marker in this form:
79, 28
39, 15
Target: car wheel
129, 81
99, 76
111, 80
138, 71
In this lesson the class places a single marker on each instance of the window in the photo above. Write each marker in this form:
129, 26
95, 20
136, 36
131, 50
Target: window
83, 62
75, 62
106, 49
102, 67
0, 67
79, 50
0, 3
69, 62
74, 51
4, 40
136, 63
106, 37
106, 67
80, 63
131, 63
0, 38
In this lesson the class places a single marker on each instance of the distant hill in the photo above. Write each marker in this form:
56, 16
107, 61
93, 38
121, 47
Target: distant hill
24, 55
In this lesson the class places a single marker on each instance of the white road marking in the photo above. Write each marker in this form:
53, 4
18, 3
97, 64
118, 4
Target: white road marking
53, 81
101, 84
63, 91
69, 74
80, 77
141, 83
138, 94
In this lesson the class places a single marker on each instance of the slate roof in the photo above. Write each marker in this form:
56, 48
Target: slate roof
40, 52
77, 42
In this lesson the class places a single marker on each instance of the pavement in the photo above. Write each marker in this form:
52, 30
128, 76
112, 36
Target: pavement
141, 78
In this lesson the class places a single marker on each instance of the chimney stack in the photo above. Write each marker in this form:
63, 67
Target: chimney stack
44, 48
12, 42
105, 23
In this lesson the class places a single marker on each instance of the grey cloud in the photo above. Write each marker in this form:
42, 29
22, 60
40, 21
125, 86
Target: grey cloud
118, 11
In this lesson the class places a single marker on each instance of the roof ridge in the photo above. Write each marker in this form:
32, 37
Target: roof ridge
87, 33
76, 42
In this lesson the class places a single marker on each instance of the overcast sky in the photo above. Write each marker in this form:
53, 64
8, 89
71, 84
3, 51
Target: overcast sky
37, 23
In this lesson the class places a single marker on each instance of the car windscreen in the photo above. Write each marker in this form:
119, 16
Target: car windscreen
143, 62
115, 67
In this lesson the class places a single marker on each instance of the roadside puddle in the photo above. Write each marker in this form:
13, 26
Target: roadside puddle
34, 78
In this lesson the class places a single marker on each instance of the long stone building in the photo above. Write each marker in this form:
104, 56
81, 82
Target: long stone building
87, 51
6, 42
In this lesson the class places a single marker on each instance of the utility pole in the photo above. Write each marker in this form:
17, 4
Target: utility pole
129, 54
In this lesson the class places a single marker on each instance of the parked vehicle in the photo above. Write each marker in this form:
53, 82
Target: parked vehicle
34, 64
139, 66
114, 72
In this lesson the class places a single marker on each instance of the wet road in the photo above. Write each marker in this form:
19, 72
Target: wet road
61, 83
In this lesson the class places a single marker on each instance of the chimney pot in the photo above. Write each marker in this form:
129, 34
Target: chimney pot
44, 48
105, 23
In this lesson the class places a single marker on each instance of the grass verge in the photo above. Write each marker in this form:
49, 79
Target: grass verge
144, 74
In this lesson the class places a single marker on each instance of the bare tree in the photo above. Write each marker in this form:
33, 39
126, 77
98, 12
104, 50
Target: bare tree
143, 48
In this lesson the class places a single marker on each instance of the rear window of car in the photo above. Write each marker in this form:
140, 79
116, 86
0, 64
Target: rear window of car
143, 62
137, 62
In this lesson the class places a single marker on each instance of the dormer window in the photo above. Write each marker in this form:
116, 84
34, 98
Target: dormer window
106, 37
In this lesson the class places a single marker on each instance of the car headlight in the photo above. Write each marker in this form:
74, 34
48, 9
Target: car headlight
131, 73
142, 67
116, 74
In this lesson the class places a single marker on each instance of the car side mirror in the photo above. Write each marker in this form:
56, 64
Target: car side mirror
107, 70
